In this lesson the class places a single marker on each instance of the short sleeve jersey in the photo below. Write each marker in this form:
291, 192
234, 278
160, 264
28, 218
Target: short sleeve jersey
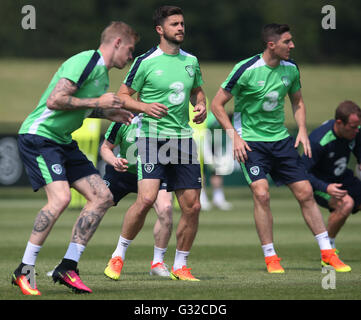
166, 79
124, 136
88, 71
259, 92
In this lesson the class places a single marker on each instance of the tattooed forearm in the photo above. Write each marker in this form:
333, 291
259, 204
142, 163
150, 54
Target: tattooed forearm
43, 220
97, 113
62, 97
69, 101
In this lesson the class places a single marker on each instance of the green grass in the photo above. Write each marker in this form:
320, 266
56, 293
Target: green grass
323, 86
226, 255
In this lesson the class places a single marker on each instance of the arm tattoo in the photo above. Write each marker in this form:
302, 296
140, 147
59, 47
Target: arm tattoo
69, 101
62, 97
97, 112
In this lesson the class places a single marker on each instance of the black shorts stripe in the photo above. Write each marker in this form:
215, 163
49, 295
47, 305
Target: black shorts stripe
240, 71
88, 69
136, 66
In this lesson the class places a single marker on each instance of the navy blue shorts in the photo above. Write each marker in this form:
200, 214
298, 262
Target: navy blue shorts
349, 183
46, 161
122, 183
279, 159
173, 160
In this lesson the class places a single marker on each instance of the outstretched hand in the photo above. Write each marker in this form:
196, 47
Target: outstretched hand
119, 115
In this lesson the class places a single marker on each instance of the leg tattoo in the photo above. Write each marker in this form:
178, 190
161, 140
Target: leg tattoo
85, 226
43, 220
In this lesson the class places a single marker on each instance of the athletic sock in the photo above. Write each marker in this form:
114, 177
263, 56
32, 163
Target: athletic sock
159, 254
180, 259
74, 251
218, 195
30, 254
121, 248
323, 241
268, 250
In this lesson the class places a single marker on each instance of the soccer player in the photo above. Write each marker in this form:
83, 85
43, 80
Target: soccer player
334, 185
261, 142
167, 78
53, 160
121, 178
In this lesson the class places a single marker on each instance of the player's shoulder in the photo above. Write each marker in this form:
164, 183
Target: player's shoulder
290, 63
151, 53
83, 55
323, 134
187, 54
249, 63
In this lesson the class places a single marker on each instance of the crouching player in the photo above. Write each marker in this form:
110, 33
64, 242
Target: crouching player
121, 178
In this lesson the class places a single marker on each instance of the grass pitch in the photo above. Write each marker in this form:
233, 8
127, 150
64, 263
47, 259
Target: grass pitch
226, 255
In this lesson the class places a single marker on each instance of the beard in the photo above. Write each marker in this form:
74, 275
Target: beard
172, 39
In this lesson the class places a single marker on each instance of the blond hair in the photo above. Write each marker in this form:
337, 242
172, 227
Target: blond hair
118, 29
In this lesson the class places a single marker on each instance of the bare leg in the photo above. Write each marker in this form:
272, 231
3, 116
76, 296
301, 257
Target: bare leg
99, 200
164, 224
58, 194
339, 216
262, 211
188, 223
136, 214
310, 210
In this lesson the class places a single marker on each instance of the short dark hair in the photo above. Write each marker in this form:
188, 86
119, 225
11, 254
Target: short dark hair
273, 31
164, 12
345, 109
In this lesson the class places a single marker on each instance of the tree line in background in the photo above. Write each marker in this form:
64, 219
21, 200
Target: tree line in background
227, 30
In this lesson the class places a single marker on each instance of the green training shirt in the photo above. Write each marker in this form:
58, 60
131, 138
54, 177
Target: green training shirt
124, 136
166, 79
88, 71
259, 93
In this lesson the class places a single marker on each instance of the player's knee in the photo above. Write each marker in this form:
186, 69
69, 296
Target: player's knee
60, 203
165, 211
195, 208
166, 221
305, 195
146, 202
105, 198
262, 196
347, 205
